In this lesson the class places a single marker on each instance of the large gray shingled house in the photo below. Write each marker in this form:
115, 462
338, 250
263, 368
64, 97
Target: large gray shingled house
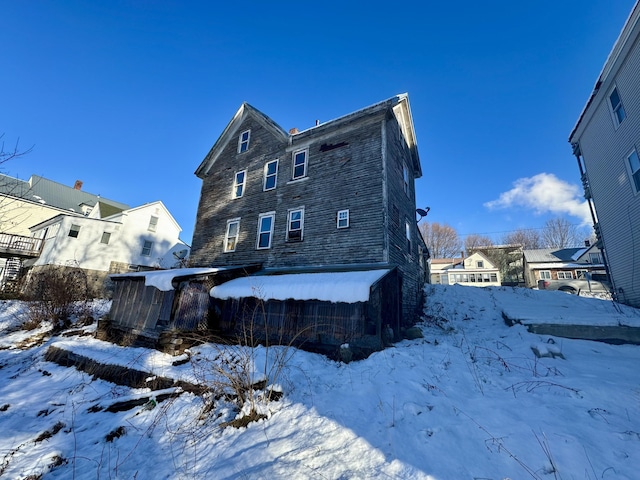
306, 237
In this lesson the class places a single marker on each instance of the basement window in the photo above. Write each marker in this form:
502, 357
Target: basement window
74, 231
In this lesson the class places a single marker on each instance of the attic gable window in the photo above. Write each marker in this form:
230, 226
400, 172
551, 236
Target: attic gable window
238, 184
231, 236
270, 175
300, 164
295, 225
153, 224
633, 163
74, 231
243, 141
616, 106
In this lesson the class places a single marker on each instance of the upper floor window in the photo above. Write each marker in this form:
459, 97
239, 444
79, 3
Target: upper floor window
405, 178
343, 219
265, 230
238, 183
595, 258
295, 225
74, 231
243, 141
634, 169
407, 231
231, 236
300, 164
106, 236
270, 175
146, 248
616, 106
479, 264
153, 224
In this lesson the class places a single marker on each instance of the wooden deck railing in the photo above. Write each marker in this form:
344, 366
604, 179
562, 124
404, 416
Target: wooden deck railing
19, 246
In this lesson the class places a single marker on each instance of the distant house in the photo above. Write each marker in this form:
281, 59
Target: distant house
140, 238
606, 143
476, 270
439, 267
338, 197
561, 263
24, 203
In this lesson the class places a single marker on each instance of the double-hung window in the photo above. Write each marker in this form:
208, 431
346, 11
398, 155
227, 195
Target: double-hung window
265, 230
147, 245
545, 274
616, 106
243, 141
106, 236
74, 231
238, 183
270, 175
153, 224
633, 163
407, 231
300, 164
295, 225
343, 219
405, 178
595, 258
231, 236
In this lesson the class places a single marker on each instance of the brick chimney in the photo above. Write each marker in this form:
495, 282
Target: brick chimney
293, 131
77, 185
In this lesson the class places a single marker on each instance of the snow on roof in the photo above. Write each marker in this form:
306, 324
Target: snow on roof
163, 279
348, 287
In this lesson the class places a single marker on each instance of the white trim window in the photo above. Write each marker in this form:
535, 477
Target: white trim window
479, 264
300, 161
295, 225
407, 231
239, 180
265, 230
270, 175
545, 274
231, 235
633, 164
147, 245
153, 224
243, 141
405, 178
106, 236
595, 258
74, 231
565, 276
617, 109
343, 219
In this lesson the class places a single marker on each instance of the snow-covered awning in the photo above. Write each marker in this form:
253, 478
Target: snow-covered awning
163, 279
348, 287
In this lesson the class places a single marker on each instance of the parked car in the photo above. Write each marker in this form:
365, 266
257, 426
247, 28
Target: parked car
595, 283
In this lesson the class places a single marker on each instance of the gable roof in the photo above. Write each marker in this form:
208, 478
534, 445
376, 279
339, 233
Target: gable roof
550, 255
231, 131
397, 105
53, 194
157, 203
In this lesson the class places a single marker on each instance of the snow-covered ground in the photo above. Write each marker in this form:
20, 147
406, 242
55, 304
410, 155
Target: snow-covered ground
470, 400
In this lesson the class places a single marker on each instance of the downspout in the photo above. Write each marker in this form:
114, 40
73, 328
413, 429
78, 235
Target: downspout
596, 227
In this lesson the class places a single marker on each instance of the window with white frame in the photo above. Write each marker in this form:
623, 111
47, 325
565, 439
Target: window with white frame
343, 219
300, 164
545, 274
265, 230
74, 231
407, 231
405, 178
243, 141
494, 277
565, 276
595, 258
270, 175
238, 183
617, 109
479, 264
633, 163
295, 225
147, 245
153, 224
106, 236
231, 235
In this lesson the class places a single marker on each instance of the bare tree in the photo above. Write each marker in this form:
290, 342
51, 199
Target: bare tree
442, 240
11, 153
473, 241
527, 237
560, 233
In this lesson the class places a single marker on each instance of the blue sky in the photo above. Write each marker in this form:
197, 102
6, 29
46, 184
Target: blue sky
129, 96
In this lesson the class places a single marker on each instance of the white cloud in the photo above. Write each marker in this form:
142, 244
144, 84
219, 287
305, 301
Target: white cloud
545, 193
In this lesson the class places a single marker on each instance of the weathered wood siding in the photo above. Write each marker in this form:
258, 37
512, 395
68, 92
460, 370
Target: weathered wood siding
604, 150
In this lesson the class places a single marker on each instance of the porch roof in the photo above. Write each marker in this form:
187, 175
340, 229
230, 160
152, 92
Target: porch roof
347, 287
163, 279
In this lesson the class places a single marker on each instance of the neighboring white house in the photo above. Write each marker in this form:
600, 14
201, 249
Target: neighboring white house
606, 142
561, 263
475, 270
135, 239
